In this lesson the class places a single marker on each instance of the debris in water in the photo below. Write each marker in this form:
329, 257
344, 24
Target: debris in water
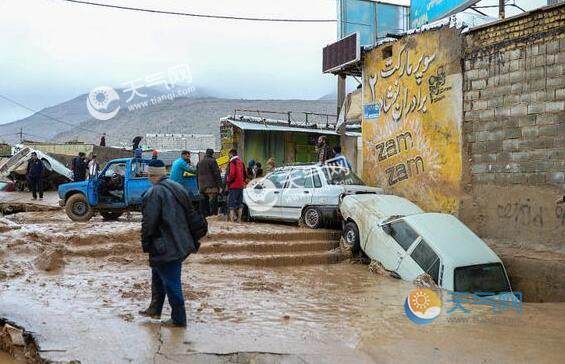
424, 280
15, 334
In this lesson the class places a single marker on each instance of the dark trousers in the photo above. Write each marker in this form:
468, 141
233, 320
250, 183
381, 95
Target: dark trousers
209, 203
166, 281
36, 186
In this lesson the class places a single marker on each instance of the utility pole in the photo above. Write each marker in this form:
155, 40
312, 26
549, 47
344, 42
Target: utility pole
501, 13
21, 133
340, 92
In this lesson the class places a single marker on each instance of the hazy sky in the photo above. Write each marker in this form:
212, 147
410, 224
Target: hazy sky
51, 51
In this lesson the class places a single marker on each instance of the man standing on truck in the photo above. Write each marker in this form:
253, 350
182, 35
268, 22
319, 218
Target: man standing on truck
34, 176
78, 167
166, 237
180, 166
209, 182
235, 181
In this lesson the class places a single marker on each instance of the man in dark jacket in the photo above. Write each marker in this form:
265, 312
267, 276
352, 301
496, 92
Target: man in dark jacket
34, 175
79, 167
209, 182
165, 235
323, 150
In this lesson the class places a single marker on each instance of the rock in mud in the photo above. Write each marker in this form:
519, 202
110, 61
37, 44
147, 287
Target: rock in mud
424, 280
50, 260
377, 268
15, 335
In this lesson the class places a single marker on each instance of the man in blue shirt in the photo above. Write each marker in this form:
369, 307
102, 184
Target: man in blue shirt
180, 166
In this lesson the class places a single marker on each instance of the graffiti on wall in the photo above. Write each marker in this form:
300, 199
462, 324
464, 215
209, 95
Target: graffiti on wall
412, 145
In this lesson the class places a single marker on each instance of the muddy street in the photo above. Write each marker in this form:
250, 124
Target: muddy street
255, 292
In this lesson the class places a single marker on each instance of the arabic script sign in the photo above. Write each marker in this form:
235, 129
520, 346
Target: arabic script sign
412, 144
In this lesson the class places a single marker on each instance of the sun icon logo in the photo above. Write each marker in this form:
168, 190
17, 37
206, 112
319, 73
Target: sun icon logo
422, 306
99, 101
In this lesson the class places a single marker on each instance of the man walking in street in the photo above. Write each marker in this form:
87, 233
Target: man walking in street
235, 182
78, 167
209, 182
34, 176
166, 237
180, 166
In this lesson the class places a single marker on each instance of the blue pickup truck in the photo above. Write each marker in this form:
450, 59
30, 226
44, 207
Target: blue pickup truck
118, 188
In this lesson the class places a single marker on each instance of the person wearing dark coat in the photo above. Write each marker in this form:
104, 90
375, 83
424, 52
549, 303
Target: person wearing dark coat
209, 182
166, 237
34, 175
79, 167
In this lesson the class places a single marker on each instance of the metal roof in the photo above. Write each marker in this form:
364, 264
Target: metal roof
245, 125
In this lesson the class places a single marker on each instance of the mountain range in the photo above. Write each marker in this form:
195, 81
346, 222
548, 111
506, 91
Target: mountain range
197, 113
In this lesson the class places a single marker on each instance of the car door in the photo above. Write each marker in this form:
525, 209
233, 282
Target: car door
389, 242
420, 259
262, 197
137, 181
297, 193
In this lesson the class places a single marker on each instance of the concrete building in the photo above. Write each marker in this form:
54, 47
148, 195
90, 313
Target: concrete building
192, 142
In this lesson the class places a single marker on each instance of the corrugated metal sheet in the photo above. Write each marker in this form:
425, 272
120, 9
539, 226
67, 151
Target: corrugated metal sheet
266, 127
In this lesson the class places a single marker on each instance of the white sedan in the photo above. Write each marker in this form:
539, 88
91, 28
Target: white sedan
409, 242
308, 192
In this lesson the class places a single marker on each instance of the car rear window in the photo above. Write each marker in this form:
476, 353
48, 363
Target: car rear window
341, 176
481, 278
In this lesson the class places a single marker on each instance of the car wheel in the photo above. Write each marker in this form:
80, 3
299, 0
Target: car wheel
111, 215
312, 217
78, 209
351, 237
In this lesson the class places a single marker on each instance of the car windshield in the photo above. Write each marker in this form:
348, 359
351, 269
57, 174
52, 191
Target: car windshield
341, 176
481, 278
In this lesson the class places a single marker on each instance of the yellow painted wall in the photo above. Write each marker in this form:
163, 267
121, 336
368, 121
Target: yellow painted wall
412, 118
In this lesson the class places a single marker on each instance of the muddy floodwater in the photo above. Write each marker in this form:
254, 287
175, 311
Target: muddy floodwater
255, 292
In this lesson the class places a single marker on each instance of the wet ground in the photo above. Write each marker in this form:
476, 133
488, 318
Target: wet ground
255, 293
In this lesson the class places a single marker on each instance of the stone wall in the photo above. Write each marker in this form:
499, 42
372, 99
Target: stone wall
514, 128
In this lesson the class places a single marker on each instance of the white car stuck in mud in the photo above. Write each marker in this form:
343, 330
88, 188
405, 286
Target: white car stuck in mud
409, 242
308, 192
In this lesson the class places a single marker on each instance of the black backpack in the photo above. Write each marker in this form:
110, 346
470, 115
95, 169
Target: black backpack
197, 223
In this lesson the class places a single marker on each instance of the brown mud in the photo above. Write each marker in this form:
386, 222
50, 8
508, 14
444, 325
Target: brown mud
244, 305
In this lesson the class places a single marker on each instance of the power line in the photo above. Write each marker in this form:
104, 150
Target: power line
45, 115
209, 16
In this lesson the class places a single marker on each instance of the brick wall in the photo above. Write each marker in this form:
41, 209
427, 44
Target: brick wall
514, 127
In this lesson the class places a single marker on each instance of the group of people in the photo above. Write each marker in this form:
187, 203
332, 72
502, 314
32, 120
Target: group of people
211, 184
84, 168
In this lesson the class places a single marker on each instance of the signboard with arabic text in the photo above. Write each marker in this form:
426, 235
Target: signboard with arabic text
412, 146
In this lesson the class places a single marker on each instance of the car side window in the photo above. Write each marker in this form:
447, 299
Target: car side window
316, 177
403, 234
427, 259
116, 168
139, 169
300, 178
278, 178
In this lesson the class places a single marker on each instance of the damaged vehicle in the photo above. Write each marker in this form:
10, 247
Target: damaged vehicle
308, 193
118, 188
15, 168
409, 242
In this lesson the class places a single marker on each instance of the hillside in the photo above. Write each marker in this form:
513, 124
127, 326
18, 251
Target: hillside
198, 114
